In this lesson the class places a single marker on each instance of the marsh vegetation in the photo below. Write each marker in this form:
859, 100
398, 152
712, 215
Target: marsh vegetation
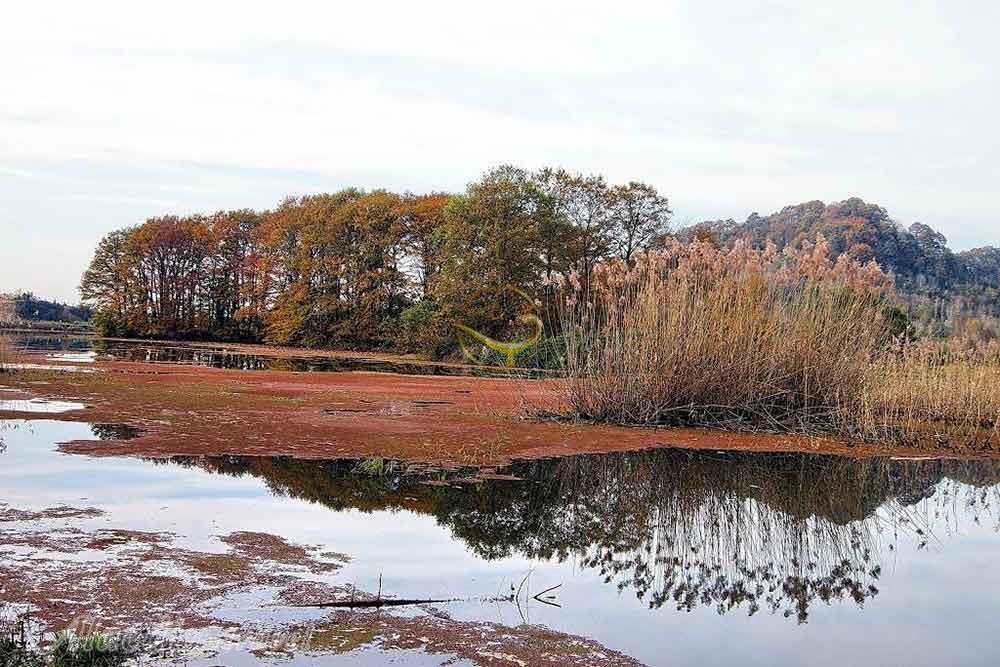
8, 317
820, 319
6, 354
695, 334
24, 643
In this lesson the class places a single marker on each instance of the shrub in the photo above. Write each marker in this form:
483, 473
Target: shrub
22, 644
92, 650
110, 325
419, 328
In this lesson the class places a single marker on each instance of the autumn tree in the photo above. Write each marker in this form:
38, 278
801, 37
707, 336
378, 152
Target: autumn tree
109, 284
582, 204
373, 244
303, 241
639, 215
555, 233
367, 269
230, 289
424, 216
171, 252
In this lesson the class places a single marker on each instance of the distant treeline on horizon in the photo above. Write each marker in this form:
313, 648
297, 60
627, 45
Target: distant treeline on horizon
26, 307
376, 269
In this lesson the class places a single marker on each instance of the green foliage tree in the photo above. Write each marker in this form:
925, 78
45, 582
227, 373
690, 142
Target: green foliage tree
639, 215
490, 242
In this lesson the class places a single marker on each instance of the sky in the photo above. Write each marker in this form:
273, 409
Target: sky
114, 112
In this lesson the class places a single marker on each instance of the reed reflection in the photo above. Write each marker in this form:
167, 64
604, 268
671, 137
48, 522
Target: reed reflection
679, 529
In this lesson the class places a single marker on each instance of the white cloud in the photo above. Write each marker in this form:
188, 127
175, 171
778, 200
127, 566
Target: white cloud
113, 112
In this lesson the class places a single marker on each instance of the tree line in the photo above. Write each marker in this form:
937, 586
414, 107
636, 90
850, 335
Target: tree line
31, 308
368, 269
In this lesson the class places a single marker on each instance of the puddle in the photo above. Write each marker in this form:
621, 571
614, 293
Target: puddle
40, 406
789, 558
75, 357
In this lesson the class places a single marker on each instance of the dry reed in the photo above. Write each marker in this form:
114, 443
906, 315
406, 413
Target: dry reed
913, 396
698, 335
749, 339
6, 355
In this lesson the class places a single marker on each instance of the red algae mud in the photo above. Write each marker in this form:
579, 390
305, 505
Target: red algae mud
189, 410
120, 580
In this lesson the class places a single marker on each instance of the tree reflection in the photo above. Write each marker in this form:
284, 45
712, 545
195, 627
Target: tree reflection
773, 532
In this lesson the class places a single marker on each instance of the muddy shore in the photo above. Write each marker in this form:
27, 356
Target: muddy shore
119, 580
212, 588
184, 410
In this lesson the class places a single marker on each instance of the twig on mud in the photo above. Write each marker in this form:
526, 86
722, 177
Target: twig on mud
374, 604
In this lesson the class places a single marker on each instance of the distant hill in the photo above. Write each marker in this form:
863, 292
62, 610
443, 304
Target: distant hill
30, 308
937, 282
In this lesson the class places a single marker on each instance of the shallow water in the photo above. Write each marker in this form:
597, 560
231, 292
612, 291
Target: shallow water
668, 556
87, 349
362, 658
39, 405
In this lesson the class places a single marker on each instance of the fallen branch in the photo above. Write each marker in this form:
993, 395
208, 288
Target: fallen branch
373, 604
548, 600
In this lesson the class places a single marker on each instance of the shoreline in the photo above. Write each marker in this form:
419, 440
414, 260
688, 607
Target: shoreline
186, 410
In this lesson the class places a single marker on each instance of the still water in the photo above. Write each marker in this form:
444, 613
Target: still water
84, 349
668, 556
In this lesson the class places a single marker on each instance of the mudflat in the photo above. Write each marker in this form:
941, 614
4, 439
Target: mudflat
184, 409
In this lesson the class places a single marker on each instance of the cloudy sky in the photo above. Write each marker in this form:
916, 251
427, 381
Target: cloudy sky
114, 112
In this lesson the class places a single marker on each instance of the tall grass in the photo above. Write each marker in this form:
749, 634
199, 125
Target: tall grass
750, 339
923, 392
22, 645
8, 317
734, 338
6, 355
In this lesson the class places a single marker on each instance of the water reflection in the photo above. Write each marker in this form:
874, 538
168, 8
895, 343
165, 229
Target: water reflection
678, 529
115, 431
701, 532
82, 349
55, 343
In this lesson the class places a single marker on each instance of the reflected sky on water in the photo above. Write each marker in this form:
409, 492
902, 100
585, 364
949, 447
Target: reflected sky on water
669, 556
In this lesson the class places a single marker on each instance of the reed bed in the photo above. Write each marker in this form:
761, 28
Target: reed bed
741, 338
912, 397
753, 340
6, 355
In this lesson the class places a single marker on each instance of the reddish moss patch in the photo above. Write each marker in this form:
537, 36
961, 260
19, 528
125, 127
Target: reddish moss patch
193, 411
141, 580
477, 642
263, 547
107, 539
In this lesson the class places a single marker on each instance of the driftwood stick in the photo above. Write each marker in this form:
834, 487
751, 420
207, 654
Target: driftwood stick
547, 590
373, 604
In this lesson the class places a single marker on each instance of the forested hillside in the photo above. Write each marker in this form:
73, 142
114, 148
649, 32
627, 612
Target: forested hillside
31, 308
25, 307
368, 269
939, 284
